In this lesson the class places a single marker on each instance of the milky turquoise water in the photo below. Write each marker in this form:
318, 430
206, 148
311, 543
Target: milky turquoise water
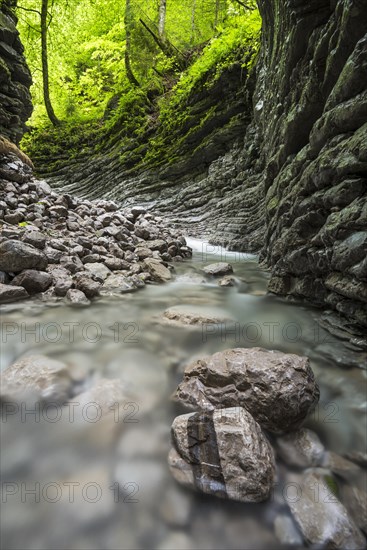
124, 496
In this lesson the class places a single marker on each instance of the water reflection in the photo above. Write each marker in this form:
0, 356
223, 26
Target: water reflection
74, 482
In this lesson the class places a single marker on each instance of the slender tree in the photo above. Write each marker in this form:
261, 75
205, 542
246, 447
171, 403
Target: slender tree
45, 74
193, 17
162, 17
216, 14
127, 20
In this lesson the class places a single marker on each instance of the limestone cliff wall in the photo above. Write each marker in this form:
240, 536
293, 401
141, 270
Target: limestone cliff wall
311, 115
15, 78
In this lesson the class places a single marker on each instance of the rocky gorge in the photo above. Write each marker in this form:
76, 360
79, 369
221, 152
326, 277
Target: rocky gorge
280, 168
272, 451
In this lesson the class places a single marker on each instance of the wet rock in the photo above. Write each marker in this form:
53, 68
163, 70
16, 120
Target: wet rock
98, 269
158, 271
340, 466
286, 531
143, 253
71, 263
322, 519
87, 285
107, 394
116, 264
191, 278
278, 389
357, 457
33, 281
62, 280
175, 507
14, 217
223, 453
36, 376
227, 281
355, 501
35, 238
137, 211
4, 278
301, 448
220, 268
159, 244
53, 255
10, 293
180, 315
76, 297
119, 282
16, 256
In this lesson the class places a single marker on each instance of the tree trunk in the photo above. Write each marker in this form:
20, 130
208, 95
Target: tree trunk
129, 72
166, 46
216, 16
193, 17
162, 17
46, 88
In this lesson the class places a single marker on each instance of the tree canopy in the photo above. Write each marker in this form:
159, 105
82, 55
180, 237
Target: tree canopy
101, 51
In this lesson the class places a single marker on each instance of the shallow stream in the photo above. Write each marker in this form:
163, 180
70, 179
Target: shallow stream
96, 484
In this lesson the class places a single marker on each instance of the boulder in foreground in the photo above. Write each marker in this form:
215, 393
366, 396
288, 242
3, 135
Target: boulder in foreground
278, 389
223, 453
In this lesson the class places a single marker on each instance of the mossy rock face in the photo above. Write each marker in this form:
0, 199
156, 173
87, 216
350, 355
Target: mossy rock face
15, 79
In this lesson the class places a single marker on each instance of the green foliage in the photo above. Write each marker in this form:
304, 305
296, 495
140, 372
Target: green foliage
89, 88
239, 40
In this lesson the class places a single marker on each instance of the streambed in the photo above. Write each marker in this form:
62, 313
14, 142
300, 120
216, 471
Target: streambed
72, 484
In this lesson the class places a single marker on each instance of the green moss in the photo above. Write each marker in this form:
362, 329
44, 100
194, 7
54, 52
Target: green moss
273, 203
4, 69
332, 484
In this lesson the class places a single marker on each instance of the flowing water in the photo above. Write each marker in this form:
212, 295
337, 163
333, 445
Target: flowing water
93, 483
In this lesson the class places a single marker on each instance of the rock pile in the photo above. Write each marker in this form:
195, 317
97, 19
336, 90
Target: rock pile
224, 450
61, 246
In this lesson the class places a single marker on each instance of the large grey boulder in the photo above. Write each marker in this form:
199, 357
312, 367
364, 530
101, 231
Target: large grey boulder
37, 377
16, 256
87, 285
10, 293
218, 269
158, 271
77, 298
223, 453
33, 281
278, 389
